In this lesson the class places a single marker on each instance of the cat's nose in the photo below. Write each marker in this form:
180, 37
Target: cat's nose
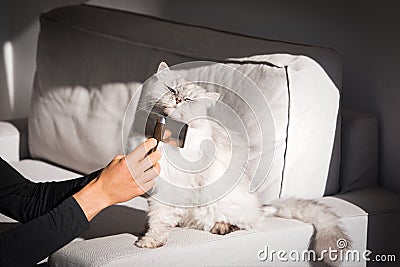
178, 100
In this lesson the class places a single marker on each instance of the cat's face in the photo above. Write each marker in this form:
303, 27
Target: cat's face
176, 97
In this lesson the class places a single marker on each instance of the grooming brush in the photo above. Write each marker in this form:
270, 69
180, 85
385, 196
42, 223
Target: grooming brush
159, 131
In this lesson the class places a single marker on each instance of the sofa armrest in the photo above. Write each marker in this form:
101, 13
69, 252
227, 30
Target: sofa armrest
383, 208
9, 141
359, 151
22, 126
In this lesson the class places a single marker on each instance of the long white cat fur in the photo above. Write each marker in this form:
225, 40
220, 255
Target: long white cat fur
238, 209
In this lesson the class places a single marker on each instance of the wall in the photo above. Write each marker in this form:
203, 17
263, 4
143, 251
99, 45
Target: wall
19, 26
384, 98
361, 31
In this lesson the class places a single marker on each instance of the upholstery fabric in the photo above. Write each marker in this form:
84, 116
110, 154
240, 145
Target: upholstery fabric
188, 247
311, 94
359, 163
383, 217
78, 127
118, 58
9, 142
39, 171
22, 126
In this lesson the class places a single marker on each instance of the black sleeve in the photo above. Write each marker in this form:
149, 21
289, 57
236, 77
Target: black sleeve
23, 200
51, 216
31, 242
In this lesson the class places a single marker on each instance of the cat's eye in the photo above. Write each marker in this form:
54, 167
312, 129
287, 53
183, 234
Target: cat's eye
188, 99
172, 90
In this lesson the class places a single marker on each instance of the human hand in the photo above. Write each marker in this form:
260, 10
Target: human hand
132, 175
167, 139
124, 178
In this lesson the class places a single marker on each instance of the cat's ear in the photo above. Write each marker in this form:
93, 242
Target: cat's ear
213, 96
162, 66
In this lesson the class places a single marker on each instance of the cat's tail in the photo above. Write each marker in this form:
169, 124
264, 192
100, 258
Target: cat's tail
328, 232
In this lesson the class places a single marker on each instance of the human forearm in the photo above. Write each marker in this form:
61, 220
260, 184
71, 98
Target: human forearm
92, 199
29, 243
24, 200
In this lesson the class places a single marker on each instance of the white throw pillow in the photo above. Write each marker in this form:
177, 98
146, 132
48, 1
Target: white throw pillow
78, 127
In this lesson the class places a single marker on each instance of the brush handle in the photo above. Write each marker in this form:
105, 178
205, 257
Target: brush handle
158, 133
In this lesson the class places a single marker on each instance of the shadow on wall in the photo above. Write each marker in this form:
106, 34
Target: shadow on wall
5, 105
19, 28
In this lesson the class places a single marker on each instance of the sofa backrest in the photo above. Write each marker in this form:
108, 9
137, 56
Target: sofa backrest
96, 50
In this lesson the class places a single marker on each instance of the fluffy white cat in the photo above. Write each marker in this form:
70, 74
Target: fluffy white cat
237, 210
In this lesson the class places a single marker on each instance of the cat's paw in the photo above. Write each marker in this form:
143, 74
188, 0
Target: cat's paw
148, 242
223, 228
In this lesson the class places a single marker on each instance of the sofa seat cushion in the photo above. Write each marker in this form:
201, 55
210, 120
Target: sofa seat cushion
188, 247
185, 247
39, 171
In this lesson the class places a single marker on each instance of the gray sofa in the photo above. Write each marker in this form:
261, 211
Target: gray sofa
89, 46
